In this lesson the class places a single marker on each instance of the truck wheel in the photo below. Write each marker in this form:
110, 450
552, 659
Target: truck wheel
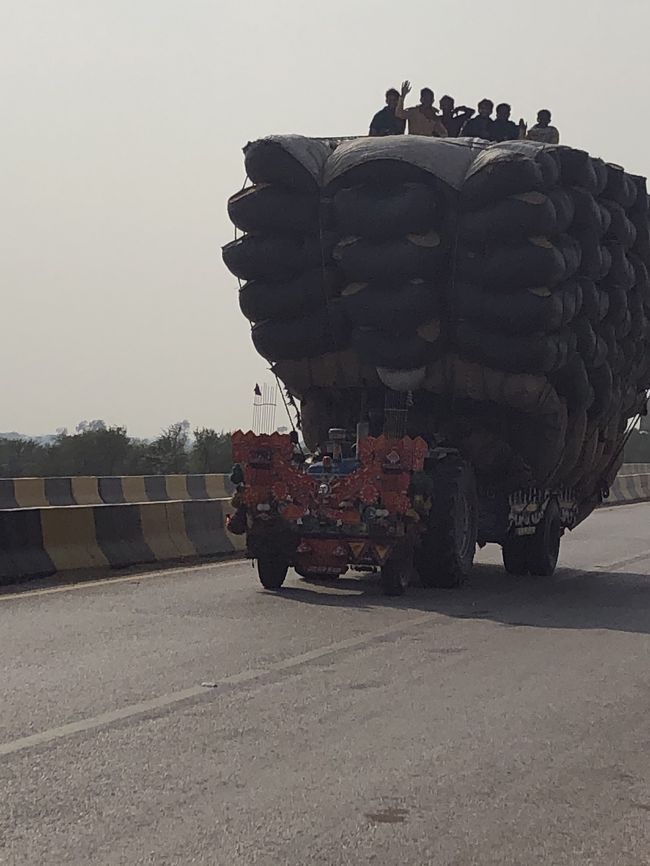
535, 554
515, 554
446, 555
394, 577
272, 572
544, 546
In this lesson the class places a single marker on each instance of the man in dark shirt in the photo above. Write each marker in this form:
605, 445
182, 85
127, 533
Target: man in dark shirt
385, 122
503, 128
482, 125
454, 117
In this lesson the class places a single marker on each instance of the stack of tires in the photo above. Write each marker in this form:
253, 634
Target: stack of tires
394, 263
550, 280
284, 256
506, 286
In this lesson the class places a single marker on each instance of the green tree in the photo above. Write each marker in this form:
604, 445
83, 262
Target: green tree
168, 454
22, 458
96, 450
211, 451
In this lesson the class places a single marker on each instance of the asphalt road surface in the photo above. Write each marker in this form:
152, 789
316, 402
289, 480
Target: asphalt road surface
190, 717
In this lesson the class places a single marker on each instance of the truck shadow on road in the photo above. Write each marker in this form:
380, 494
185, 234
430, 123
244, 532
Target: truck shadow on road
570, 600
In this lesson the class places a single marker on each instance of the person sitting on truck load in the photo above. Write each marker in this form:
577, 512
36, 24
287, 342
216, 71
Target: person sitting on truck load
543, 131
505, 129
481, 126
423, 118
385, 122
453, 116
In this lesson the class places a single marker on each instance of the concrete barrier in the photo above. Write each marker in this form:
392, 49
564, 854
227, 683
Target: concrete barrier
70, 538
111, 490
40, 542
85, 490
205, 526
629, 487
30, 492
22, 552
177, 487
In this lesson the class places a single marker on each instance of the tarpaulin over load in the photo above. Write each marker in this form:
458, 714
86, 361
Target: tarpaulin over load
291, 161
448, 160
505, 286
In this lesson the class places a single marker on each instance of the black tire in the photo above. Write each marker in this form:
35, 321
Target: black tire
525, 312
260, 300
270, 257
518, 217
267, 208
564, 208
620, 188
395, 577
395, 351
494, 178
272, 572
384, 212
595, 302
593, 265
322, 331
515, 554
446, 554
622, 230
601, 175
622, 274
275, 161
401, 306
534, 263
544, 546
572, 383
587, 214
410, 257
642, 279
532, 353
577, 169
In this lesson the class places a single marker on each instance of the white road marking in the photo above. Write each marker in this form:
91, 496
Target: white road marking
143, 575
143, 707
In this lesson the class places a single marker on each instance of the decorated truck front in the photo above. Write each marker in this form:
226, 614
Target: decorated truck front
361, 512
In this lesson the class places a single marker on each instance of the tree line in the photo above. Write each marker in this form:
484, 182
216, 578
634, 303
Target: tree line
97, 449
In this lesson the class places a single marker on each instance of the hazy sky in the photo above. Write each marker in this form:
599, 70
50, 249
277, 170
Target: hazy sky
122, 128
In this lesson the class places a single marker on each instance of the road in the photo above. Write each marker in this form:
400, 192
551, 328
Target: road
189, 717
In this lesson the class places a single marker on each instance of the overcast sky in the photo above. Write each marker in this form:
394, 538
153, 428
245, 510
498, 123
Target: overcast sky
122, 128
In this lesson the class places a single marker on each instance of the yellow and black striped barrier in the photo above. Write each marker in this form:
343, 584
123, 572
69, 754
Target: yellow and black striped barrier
40, 542
632, 484
111, 490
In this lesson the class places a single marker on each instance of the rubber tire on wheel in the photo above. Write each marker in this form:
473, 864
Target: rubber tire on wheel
446, 555
544, 546
515, 554
272, 572
394, 578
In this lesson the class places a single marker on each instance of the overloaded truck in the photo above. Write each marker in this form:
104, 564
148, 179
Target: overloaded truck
463, 328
